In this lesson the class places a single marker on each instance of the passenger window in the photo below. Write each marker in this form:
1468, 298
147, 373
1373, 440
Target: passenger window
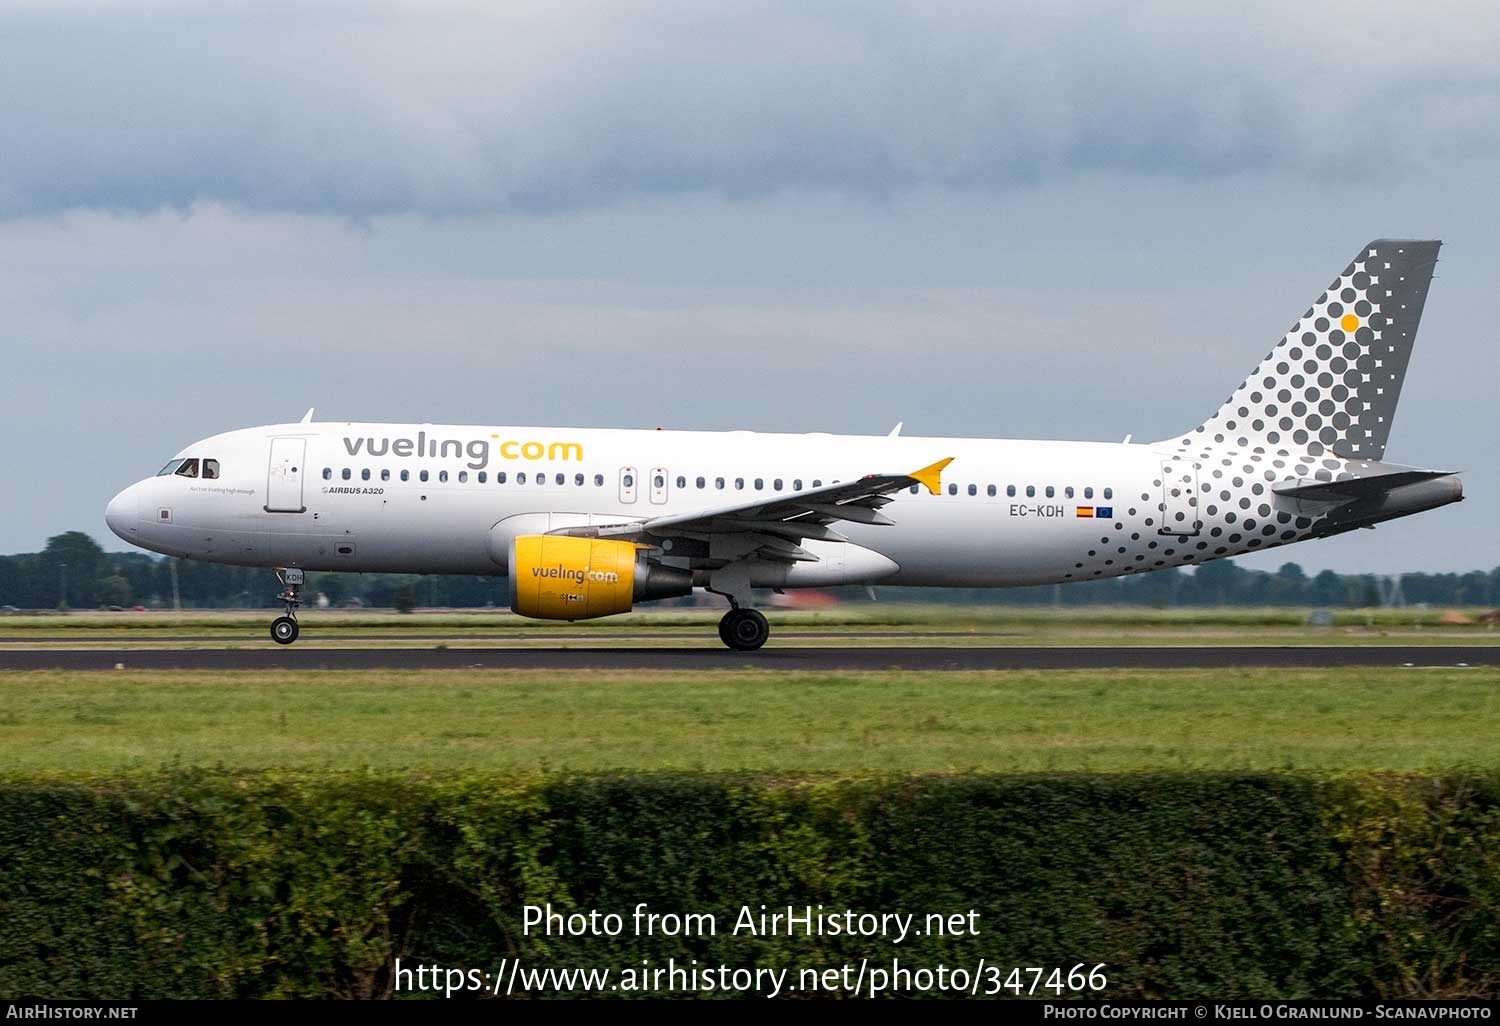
1109, 493
990, 491
719, 483
1068, 491
345, 474
681, 481
499, 477
598, 480
521, 477
463, 477
562, 479
657, 481
540, 479
817, 483
701, 482
1088, 492
739, 484
953, 489
327, 473
1031, 491
760, 483
776, 484
422, 476
628, 481
364, 475
914, 489
796, 484
210, 470
1010, 490
189, 468
578, 480
1050, 492
973, 489
482, 477
442, 477
385, 475
406, 475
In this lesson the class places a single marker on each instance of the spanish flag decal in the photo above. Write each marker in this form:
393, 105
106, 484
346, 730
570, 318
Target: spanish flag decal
1085, 511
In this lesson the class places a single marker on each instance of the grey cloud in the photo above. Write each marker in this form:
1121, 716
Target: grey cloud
477, 108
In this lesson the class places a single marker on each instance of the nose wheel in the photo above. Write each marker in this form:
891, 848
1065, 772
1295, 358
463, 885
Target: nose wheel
284, 629
744, 630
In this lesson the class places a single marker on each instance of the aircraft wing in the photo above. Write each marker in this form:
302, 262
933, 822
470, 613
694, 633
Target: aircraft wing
783, 520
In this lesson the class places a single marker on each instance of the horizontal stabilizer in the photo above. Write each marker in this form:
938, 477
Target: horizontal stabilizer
1355, 487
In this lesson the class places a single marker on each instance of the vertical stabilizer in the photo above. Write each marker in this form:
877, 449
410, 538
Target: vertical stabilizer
1332, 383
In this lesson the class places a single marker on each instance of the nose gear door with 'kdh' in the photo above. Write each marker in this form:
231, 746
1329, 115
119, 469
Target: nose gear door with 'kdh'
1179, 498
284, 476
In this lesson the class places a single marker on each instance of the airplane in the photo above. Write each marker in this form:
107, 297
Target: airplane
587, 523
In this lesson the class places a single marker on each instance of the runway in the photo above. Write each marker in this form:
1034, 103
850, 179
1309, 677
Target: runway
709, 658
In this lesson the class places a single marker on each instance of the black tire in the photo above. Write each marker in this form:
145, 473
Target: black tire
744, 630
284, 630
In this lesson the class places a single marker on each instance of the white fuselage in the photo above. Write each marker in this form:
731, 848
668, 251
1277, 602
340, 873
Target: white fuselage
448, 499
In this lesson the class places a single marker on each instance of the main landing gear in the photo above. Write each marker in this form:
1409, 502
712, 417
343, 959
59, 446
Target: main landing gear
744, 629
284, 629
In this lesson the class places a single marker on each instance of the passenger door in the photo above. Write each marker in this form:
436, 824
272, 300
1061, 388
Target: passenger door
284, 476
1179, 489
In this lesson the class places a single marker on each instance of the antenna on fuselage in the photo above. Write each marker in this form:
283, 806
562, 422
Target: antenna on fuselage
307, 417
896, 430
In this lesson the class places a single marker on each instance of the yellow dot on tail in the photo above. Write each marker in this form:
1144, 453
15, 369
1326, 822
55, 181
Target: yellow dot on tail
1349, 323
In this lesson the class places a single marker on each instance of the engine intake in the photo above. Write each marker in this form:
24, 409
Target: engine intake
559, 577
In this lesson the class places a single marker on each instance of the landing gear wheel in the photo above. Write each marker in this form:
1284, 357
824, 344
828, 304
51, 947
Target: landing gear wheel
284, 630
744, 630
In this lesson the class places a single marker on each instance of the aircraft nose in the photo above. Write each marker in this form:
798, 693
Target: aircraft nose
123, 514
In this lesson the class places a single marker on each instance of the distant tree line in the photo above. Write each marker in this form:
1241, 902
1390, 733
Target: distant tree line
73, 572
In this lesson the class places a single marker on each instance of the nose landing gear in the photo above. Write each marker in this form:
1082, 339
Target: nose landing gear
284, 629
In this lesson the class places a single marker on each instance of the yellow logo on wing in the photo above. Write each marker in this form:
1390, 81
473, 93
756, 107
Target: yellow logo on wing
930, 477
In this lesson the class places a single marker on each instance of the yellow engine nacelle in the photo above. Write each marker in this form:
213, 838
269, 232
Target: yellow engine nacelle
558, 577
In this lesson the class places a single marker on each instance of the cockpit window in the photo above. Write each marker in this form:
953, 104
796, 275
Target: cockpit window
189, 468
210, 470
169, 469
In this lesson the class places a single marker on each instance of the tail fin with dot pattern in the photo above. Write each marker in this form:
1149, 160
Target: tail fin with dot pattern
1331, 385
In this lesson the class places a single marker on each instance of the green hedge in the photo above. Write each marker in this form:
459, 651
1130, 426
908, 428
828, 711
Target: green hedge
203, 884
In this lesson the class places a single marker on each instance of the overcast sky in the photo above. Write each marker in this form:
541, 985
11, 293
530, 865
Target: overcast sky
1004, 220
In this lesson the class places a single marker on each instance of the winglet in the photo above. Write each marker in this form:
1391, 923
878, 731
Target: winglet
307, 417
930, 477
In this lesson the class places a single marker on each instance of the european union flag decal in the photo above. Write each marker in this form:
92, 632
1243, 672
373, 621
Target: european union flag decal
1104, 512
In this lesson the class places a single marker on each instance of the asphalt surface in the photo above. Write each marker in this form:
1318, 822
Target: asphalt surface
770, 658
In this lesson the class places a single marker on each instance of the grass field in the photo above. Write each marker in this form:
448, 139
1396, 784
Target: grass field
1326, 720
873, 623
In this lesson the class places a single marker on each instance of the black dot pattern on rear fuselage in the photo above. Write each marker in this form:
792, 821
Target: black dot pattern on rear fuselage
1318, 408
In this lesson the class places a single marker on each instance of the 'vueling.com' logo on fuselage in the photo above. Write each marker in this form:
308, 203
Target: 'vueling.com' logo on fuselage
475, 450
